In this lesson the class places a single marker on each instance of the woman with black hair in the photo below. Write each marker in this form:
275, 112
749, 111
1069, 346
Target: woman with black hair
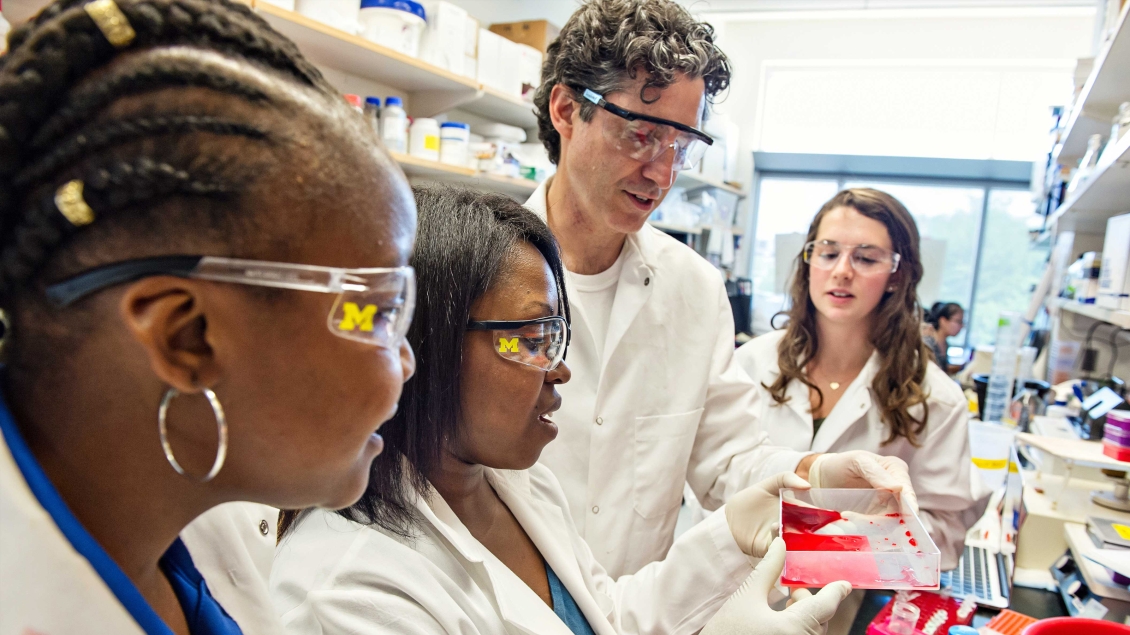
203, 264
461, 530
943, 321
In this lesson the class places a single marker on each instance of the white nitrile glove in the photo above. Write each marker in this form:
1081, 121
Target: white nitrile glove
856, 469
747, 612
754, 513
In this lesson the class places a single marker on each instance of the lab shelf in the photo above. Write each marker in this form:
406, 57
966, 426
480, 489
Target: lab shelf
431, 89
695, 179
1106, 88
424, 169
1105, 194
1102, 314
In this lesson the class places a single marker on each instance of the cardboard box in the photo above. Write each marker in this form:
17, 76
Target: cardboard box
1114, 278
536, 33
529, 68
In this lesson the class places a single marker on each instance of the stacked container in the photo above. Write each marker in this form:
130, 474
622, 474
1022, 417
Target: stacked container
1116, 435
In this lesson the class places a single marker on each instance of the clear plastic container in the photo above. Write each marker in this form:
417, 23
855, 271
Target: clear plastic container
1003, 374
372, 112
394, 125
990, 445
866, 537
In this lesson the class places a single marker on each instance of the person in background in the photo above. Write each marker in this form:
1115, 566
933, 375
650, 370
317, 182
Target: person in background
656, 399
171, 255
461, 530
944, 320
850, 370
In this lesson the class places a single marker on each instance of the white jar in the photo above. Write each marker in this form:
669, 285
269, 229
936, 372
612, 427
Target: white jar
454, 139
340, 14
397, 24
394, 125
423, 139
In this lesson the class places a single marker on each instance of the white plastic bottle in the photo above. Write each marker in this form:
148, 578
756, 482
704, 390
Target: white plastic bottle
1087, 165
4, 29
423, 139
394, 125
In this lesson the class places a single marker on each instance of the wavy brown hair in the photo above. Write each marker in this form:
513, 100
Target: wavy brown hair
894, 329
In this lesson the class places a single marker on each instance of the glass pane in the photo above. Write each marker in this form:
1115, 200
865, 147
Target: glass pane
785, 208
949, 221
1010, 264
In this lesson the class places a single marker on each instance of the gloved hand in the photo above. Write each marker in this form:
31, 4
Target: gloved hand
754, 513
747, 611
860, 469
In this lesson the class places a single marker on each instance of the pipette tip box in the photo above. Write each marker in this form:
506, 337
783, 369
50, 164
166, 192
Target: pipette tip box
866, 537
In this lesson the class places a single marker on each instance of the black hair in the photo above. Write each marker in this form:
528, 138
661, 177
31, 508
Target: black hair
166, 167
942, 310
463, 242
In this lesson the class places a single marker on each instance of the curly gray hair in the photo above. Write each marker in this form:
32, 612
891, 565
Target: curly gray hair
607, 43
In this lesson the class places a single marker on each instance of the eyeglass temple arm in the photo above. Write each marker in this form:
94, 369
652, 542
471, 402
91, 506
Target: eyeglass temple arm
65, 293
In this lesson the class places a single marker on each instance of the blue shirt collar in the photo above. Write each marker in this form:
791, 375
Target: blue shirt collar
204, 615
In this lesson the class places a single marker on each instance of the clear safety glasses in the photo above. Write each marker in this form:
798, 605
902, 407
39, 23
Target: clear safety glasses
646, 138
373, 305
866, 260
540, 343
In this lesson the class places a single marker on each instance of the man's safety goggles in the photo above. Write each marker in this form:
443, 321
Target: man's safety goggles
646, 138
540, 343
373, 305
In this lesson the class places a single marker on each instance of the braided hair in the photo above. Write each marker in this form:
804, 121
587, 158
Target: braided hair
65, 116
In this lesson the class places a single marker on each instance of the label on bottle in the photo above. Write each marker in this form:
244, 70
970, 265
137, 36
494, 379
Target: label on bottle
431, 142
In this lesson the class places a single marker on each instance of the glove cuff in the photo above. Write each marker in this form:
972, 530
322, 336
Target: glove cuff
814, 477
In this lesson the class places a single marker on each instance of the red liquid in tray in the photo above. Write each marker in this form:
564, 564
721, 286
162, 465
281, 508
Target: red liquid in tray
801, 518
816, 542
799, 524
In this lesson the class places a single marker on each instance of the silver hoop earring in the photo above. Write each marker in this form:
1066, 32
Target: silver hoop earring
221, 431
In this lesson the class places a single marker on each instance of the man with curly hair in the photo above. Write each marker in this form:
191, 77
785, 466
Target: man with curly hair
656, 400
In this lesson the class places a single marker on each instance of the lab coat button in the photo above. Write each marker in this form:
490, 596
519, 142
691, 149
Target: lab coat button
264, 527
600, 421
596, 509
646, 281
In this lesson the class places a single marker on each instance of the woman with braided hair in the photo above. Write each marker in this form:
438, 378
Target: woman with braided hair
185, 207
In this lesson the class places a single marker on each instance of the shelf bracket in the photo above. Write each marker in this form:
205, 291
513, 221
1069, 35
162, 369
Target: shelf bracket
427, 103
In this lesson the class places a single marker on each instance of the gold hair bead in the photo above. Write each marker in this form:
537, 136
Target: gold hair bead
111, 22
71, 204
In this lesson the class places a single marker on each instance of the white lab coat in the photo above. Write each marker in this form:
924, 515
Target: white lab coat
48, 587
939, 469
332, 576
671, 406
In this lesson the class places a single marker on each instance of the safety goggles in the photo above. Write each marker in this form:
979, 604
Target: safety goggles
646, 138
373, 305
867, 260
540, 343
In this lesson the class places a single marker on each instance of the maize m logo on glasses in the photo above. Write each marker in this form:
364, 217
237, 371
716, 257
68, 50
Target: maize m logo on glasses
507, 345
355, 318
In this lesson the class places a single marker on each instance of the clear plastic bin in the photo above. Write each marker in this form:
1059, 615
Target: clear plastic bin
863, 536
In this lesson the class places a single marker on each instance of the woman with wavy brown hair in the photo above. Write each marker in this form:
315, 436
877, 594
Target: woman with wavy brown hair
850, 372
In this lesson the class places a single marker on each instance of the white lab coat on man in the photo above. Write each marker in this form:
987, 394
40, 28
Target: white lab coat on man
940, 469
664, 405
48, 587
333, 576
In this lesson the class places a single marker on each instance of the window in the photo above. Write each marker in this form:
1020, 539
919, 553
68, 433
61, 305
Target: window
1010, 266
785, 208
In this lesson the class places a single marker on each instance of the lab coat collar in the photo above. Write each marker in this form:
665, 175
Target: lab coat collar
517, 603
637, 279
853, 404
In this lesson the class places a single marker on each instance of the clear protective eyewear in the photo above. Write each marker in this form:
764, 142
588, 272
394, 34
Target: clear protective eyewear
373, 305
645, 138
540, 343
866, 260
